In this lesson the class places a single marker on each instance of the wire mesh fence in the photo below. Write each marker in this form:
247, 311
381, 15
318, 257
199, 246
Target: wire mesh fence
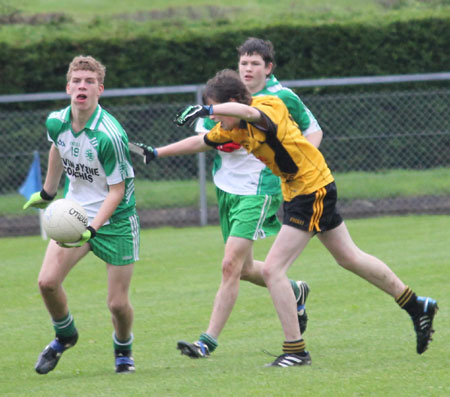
389, 152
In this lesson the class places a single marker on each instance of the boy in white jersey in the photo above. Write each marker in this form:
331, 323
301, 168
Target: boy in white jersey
248, 196
91, 147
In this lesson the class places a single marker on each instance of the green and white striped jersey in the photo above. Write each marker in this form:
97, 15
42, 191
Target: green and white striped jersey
301, 114
93, 158
241, 173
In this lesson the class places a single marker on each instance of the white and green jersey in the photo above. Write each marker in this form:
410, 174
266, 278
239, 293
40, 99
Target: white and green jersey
241, 173
93, 158
301, 114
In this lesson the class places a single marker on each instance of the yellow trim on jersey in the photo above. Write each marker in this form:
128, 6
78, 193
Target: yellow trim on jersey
287, 146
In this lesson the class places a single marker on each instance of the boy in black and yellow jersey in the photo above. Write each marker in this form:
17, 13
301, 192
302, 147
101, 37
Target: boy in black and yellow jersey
263, 126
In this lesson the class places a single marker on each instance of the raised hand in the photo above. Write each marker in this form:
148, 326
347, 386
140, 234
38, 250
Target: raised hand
192, 113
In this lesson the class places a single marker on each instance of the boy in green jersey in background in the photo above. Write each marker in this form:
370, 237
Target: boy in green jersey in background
248, 196
264, 127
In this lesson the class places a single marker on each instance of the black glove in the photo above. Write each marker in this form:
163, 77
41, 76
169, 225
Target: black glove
148, 153
192, 113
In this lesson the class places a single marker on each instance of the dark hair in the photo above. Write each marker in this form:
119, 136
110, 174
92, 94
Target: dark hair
226, 85
257, 46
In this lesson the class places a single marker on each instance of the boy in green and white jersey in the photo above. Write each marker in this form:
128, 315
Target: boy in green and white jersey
93, 159
248, 193
245, 189
91, 147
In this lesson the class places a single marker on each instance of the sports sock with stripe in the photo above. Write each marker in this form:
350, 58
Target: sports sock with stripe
64, 327
122, 345
295, 347
209, 341
408, 301
295, 288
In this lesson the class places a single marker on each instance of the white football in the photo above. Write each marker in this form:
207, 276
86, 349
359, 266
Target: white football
64, 221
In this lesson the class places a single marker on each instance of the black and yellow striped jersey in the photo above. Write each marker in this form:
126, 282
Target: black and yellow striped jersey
277, 141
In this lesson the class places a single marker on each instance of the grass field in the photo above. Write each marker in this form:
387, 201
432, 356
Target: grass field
360, 342
35, 20
352, 185
308, 10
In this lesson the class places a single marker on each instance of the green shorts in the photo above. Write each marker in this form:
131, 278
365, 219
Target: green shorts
118, 243
251, 217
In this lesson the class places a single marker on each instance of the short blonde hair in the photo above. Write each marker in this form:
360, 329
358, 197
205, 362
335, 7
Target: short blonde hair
82, 62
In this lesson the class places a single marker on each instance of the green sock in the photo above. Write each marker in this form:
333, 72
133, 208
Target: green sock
295, 288
122, 345
64, 327
209, 341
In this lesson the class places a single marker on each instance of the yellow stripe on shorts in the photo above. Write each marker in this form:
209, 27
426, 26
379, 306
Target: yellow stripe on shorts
317, 210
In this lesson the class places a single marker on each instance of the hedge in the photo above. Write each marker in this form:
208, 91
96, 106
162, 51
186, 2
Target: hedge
418, 46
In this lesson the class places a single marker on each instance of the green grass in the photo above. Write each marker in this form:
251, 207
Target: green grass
308, 10
352, 185
170, 194
360, 342
392, 183
84, 18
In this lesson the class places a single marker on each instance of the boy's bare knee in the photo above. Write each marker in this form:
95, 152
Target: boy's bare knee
267, 273
47, 285
230, 269
118, 307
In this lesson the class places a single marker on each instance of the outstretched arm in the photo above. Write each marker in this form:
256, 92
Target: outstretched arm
230, 109
239, 110
190, 145
193, 144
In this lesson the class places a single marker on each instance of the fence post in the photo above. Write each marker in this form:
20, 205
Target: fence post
203, 206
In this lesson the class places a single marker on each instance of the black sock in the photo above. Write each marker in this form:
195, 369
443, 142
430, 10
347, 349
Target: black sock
408, 301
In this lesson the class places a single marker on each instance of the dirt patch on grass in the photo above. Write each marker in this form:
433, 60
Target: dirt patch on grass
188, 12
190, 216
16, 17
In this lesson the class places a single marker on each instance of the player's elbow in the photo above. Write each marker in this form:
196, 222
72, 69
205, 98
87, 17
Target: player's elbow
315, 138
251, 114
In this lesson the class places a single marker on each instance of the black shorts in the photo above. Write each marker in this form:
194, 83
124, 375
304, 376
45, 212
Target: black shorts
315, 212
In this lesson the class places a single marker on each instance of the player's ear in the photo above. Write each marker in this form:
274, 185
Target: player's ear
101, 88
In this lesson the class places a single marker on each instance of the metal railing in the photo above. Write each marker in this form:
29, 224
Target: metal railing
366, 132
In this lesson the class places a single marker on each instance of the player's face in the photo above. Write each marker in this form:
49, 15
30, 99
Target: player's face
226, 122
253, 72
84, 89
